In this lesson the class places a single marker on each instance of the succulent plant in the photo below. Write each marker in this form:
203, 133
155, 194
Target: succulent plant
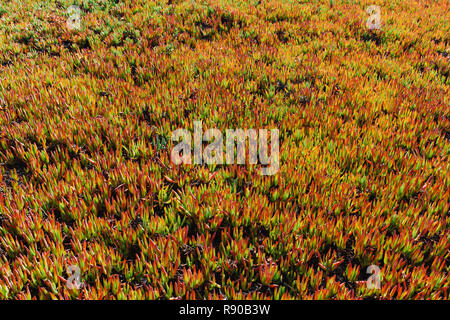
86, 178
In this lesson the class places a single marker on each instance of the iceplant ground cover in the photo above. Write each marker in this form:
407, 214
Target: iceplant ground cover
92, 207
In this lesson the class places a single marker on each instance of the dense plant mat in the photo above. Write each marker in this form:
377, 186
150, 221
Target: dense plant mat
87, 183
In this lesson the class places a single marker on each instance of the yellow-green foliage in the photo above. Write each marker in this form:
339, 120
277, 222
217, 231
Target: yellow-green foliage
86, 177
